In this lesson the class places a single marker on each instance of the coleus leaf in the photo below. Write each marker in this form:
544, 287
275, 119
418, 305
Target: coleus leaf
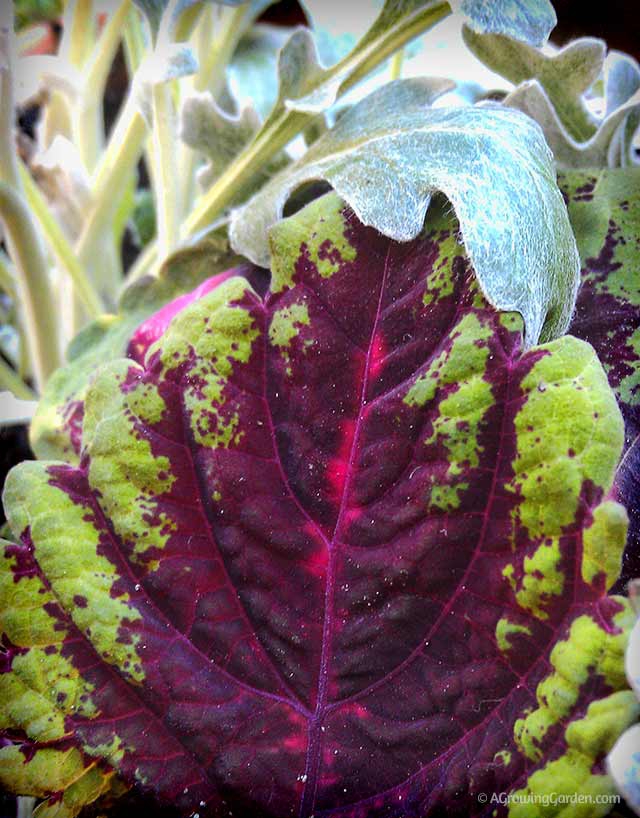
56, 428
605, 214
388, 154
340, 551
623, 762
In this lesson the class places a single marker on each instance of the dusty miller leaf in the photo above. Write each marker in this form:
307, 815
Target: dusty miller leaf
162, 65
565, 76
220, 137
390, 152
622, 83
602, 150
530, 21
252, 74
622, 79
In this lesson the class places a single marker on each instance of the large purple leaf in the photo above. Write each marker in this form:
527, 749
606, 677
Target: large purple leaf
342, 551
57, 426
604, 208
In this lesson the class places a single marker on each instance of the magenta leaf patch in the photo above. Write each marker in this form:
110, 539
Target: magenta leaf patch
339, 551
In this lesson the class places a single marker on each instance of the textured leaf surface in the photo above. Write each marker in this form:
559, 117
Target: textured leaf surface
530, 21
338, 34
565, 76
623, 761
56, 428
307, 85
603, 149
342, 551
388, 155
253, 71
220, 136
604, 208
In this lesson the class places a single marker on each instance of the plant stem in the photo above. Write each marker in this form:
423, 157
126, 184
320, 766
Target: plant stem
290, 122
144, 263
34, 287
110, 179
134, 45
59, 244
78, 31
215, 49
241, 171
165, 149
396, 64
9, 379
8, 161
7, 280
87, 115
24, 245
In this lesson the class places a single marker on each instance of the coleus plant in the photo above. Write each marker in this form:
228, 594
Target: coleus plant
336, 534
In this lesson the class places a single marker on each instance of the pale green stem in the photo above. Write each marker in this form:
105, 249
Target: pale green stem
134, 45
8, 160
165, 149
87, 122
58, 243
110, 179
26, 805
215, 50
32, 283
7, 280
397, 62
9, 379
289, 123
144, 263
34, 287
187, 21
56, 119
78, 31
242, 170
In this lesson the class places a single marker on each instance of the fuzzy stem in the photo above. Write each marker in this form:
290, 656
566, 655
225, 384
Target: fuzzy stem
79, 31
144, 264
87, 116
34, 287
59, 244
110, 180
7, 280
9, 379
165, 148
396, 64
24, 244
290, 122
215, 49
